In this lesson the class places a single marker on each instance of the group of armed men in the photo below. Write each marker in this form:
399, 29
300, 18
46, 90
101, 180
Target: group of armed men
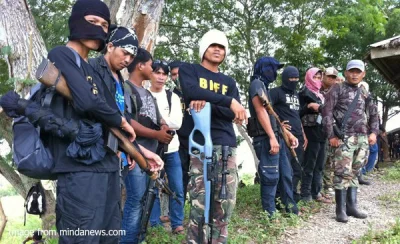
320, 119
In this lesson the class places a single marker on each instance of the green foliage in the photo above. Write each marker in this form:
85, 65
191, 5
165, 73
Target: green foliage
8, 191
51, 18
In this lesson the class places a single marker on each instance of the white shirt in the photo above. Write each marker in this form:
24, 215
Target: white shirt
173, 118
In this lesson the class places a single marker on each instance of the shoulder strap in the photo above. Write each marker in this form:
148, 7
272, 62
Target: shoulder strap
350, 110
77, 57
169, 97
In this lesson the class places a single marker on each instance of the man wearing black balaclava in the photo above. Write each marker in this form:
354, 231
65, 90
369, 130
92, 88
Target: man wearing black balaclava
286, 104
274, 168
88, 195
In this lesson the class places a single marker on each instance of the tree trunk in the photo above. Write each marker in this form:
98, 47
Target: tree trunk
114, 6
144, 16
18, 31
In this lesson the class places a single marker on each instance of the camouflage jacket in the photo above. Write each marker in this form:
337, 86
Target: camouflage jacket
362, 120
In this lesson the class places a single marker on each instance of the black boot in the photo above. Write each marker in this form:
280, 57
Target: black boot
351, 204
340, 198
362, 181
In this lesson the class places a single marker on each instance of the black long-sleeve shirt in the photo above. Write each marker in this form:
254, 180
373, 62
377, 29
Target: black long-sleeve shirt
199, 83
89, 101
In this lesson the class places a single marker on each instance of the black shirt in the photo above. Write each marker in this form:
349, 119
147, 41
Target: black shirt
199, 83
255, 85
315, 132
89, 101
287, 106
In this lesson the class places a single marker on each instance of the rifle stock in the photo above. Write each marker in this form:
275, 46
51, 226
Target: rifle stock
265, 101
50, 76
202, 124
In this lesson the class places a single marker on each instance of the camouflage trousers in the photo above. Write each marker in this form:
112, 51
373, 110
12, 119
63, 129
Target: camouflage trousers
349, 161
223, 209
328, 169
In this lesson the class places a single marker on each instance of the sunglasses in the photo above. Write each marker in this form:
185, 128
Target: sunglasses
160, 62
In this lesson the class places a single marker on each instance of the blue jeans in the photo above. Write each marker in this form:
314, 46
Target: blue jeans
373, 153
136, 184
173, 169
275, 171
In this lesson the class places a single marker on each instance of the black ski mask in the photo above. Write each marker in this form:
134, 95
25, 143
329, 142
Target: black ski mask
290, 72
80, 28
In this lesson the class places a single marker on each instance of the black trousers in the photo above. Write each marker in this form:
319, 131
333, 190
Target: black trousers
296, 166
313, 166
88, 207
185, 161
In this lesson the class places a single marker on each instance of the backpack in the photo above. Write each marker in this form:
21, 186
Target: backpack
30, 155
35, 201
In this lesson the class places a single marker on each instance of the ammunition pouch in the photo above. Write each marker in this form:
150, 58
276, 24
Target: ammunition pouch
254, 127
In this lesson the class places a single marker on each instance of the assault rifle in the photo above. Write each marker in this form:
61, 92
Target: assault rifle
265, 101
202, 124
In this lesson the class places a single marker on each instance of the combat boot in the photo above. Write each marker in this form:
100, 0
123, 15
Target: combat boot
362, 181
340, 198
351, 204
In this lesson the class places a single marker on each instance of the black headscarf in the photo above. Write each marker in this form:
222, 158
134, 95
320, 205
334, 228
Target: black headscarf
290, 72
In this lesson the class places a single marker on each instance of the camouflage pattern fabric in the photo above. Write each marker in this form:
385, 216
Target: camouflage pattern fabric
348, 162
223, 209
328, 170
363, 119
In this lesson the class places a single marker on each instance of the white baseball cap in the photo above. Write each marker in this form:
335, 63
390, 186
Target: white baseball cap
356, 64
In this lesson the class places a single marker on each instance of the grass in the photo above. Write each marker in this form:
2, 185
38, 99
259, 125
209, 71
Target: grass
16, 232
249, 224
392, 173
388, 236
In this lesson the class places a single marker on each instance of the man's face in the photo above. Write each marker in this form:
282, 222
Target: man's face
95, 20
215, 53
329, 80
159, 78
174, 74
354, 76
146, 69
119, 57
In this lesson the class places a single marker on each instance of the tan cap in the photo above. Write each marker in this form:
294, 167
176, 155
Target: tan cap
331, 71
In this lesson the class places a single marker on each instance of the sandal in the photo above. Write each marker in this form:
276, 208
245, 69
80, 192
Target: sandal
323, 199
179, 230
164, 219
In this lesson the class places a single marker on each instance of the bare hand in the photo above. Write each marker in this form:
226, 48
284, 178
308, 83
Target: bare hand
274, 146
128, 128
197, 105
294, 142
286, 125
239, 111
334, 142
163, 136
131, 163
305, 142
313, 106
155, 162
372, 139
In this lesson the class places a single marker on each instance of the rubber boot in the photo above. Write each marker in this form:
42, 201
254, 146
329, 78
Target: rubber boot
362, 181
351, 204
340, 198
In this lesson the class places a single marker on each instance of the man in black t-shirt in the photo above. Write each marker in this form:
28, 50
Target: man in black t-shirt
286, 104
204, 83
274, 168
